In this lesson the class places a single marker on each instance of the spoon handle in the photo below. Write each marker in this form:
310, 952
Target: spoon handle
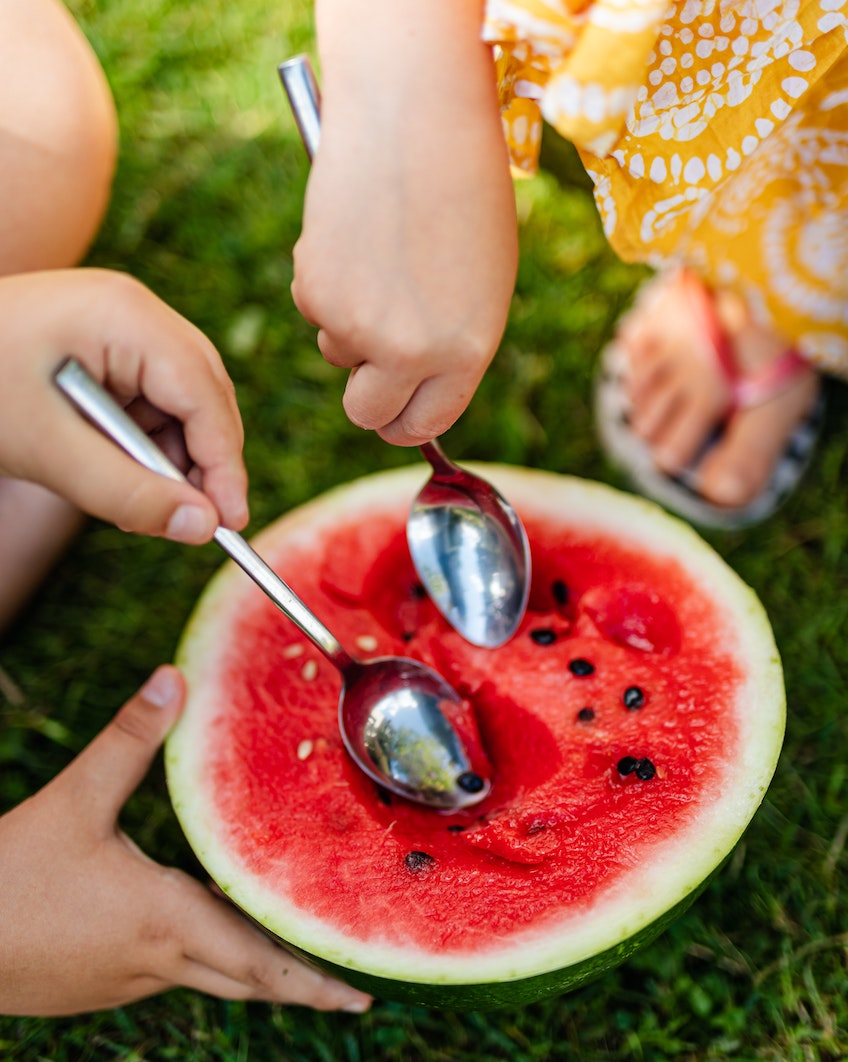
99, 406
441, 464
304, 97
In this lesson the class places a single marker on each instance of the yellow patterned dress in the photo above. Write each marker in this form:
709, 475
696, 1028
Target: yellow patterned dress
716, 134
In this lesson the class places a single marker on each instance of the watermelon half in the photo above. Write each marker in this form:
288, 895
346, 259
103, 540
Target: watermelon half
630, 727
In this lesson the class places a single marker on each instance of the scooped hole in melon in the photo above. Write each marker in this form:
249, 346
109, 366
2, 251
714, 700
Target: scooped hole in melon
634, 616
394, 594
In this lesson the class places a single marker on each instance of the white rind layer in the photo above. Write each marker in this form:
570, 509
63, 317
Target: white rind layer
677, 865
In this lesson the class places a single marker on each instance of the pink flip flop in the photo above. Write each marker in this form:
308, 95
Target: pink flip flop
680, 493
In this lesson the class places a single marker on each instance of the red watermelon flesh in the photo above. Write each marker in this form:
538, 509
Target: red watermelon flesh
610, 725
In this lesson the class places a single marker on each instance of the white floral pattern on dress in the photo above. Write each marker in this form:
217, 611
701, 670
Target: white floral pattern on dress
733, 157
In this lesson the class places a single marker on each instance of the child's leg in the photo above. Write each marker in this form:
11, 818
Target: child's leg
58, 147
35, 529
58, 138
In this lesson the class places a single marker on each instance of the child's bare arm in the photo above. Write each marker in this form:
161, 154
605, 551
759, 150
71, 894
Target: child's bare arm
408, 253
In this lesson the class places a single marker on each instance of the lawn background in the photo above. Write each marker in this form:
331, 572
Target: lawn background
206, 210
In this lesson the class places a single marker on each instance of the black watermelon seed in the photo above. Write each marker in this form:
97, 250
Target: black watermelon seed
586, 715
383, 795
634, 697
581, 667
645, 770
455, 827
543, 636
560, 592
470, 782
418, 591
627, 764
407, 636
418, 861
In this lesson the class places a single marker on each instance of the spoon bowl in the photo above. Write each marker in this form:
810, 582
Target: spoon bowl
390, 708
467, 542
396, 727
471, 552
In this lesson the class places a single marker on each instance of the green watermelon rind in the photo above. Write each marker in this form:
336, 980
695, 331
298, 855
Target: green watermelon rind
492, 995
539, 965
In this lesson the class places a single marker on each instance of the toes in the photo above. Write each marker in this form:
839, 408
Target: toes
731, 479
683, 440
673, 415
676, 395
645, 349
741, 463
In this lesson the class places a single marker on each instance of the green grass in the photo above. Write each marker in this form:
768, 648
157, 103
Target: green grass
206, 210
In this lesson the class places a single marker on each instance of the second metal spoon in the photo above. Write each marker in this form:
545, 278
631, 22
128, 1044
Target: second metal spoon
468, 545
390, 708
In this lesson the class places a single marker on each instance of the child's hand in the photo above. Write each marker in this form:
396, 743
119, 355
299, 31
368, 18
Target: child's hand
408, 253
88, 922
167, 374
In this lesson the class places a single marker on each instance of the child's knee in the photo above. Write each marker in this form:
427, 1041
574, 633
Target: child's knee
58, 138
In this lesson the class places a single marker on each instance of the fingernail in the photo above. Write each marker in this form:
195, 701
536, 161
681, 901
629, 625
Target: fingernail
239, 514
161, 688
189, 524
731, 488
358, 1007
236, 500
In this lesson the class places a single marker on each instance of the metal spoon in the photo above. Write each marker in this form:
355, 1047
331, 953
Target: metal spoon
468, 544
390, 713
471, 552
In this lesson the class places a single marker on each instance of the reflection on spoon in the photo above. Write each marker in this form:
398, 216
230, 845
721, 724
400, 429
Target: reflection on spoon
471, 552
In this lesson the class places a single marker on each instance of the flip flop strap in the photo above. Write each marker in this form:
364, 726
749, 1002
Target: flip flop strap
746, 389
777, 376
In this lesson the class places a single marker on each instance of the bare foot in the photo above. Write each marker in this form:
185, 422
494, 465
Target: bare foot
36, 527
680, 395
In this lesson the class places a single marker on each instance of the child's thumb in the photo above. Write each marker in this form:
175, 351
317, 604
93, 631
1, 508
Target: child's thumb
110, 768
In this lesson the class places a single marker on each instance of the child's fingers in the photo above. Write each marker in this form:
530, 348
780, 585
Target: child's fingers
290, 982
104, 775
181, 375
374, 397
147, 356
197, 392
139, 348
227, 956
402, 414
95, 474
